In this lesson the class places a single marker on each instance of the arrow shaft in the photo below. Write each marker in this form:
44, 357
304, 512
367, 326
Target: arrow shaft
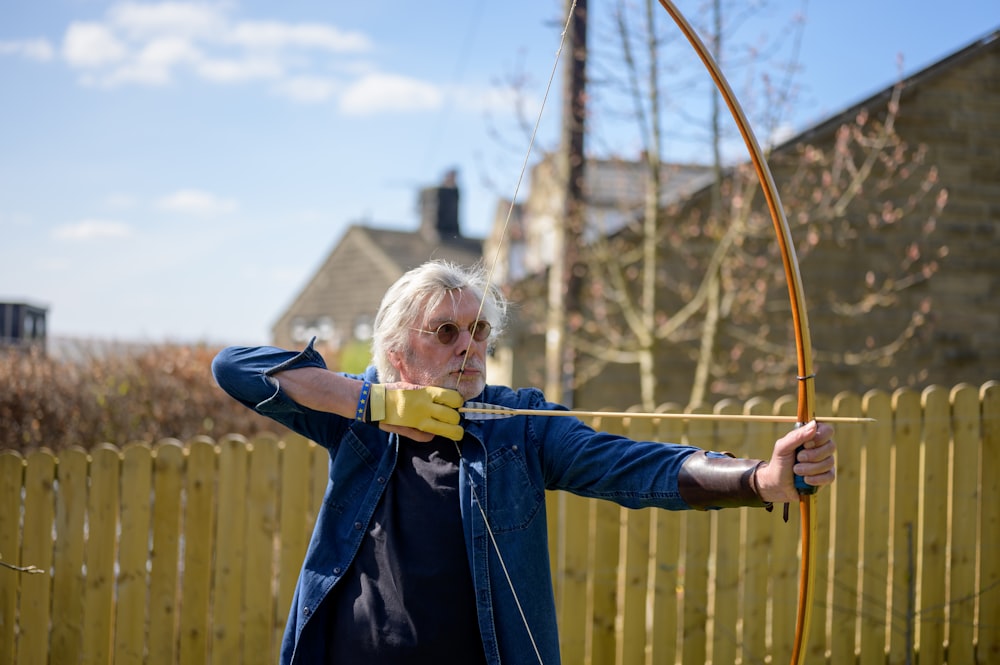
505, 412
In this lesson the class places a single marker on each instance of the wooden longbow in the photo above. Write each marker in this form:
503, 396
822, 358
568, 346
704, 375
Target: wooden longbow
803, 343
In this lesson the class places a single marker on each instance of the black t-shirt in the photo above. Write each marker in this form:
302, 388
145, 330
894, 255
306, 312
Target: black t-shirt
408, 597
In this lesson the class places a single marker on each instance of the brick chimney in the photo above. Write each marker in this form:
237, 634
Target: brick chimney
439, 210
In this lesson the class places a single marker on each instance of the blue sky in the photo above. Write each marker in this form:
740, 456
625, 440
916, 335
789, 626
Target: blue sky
175, 171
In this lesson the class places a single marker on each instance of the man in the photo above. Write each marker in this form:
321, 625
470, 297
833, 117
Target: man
430, 545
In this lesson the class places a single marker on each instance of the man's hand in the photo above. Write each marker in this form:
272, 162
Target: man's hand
815, 462
417, 412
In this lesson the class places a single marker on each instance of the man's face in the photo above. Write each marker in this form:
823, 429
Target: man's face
457, 365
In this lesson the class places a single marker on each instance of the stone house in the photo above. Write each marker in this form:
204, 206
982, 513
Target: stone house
952, 109
338, 303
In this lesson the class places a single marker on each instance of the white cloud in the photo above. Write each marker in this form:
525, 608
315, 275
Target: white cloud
377, 93
169, 51
307, 89
150, 44
237, 70
175, 19
155, 63
273, 34
92, 45
500, 100
155, 44
197, 202
32, 49
90, 229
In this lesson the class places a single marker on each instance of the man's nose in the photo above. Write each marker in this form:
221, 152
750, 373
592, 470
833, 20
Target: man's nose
463, 343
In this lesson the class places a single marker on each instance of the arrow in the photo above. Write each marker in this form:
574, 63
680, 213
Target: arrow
484, 411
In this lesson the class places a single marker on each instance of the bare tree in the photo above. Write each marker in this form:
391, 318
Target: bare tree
692, 278
616, 269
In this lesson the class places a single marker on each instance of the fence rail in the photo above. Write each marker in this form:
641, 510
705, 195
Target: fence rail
188, 552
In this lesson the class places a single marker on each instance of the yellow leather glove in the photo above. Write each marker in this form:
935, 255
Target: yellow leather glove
429, 409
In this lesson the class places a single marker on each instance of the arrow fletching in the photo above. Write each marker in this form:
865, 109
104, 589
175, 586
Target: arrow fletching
484, 411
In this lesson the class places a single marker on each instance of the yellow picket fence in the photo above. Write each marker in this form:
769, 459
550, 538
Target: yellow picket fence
181, 553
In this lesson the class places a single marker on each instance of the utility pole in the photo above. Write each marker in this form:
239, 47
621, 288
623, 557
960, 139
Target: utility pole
565, 271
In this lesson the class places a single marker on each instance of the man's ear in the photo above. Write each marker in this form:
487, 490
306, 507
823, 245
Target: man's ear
396, 360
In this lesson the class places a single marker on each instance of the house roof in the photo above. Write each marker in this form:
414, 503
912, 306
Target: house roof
353, 277
405, 250
612, 182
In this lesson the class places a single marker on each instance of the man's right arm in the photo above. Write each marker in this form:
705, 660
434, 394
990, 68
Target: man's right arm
287, 386
260, 379
321, 390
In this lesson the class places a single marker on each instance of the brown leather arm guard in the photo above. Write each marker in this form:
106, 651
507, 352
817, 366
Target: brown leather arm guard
720, 482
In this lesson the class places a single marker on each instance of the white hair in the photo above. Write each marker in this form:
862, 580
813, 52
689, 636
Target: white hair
422, 290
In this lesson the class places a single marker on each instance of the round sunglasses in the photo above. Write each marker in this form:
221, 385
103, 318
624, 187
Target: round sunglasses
449, 331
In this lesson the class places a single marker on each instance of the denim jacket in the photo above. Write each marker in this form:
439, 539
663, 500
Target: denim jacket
507, 465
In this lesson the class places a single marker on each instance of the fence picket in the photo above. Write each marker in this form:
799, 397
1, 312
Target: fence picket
785, 566
130, 620
844, 596
12, 474
934, 524
906, 478
67, 572
988, 649
198, 538
260, 602
633, 566
230, 550
37, 550
664, 580
168, 481
697, 550
102, 525
602, 579
573, 569
964, 524
727, 526
876, 529
758, 546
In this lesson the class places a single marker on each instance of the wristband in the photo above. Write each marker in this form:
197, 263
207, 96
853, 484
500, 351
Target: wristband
362, 409
768, 505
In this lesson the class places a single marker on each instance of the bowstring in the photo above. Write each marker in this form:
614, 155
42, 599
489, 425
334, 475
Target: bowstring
482, 305
517, 185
